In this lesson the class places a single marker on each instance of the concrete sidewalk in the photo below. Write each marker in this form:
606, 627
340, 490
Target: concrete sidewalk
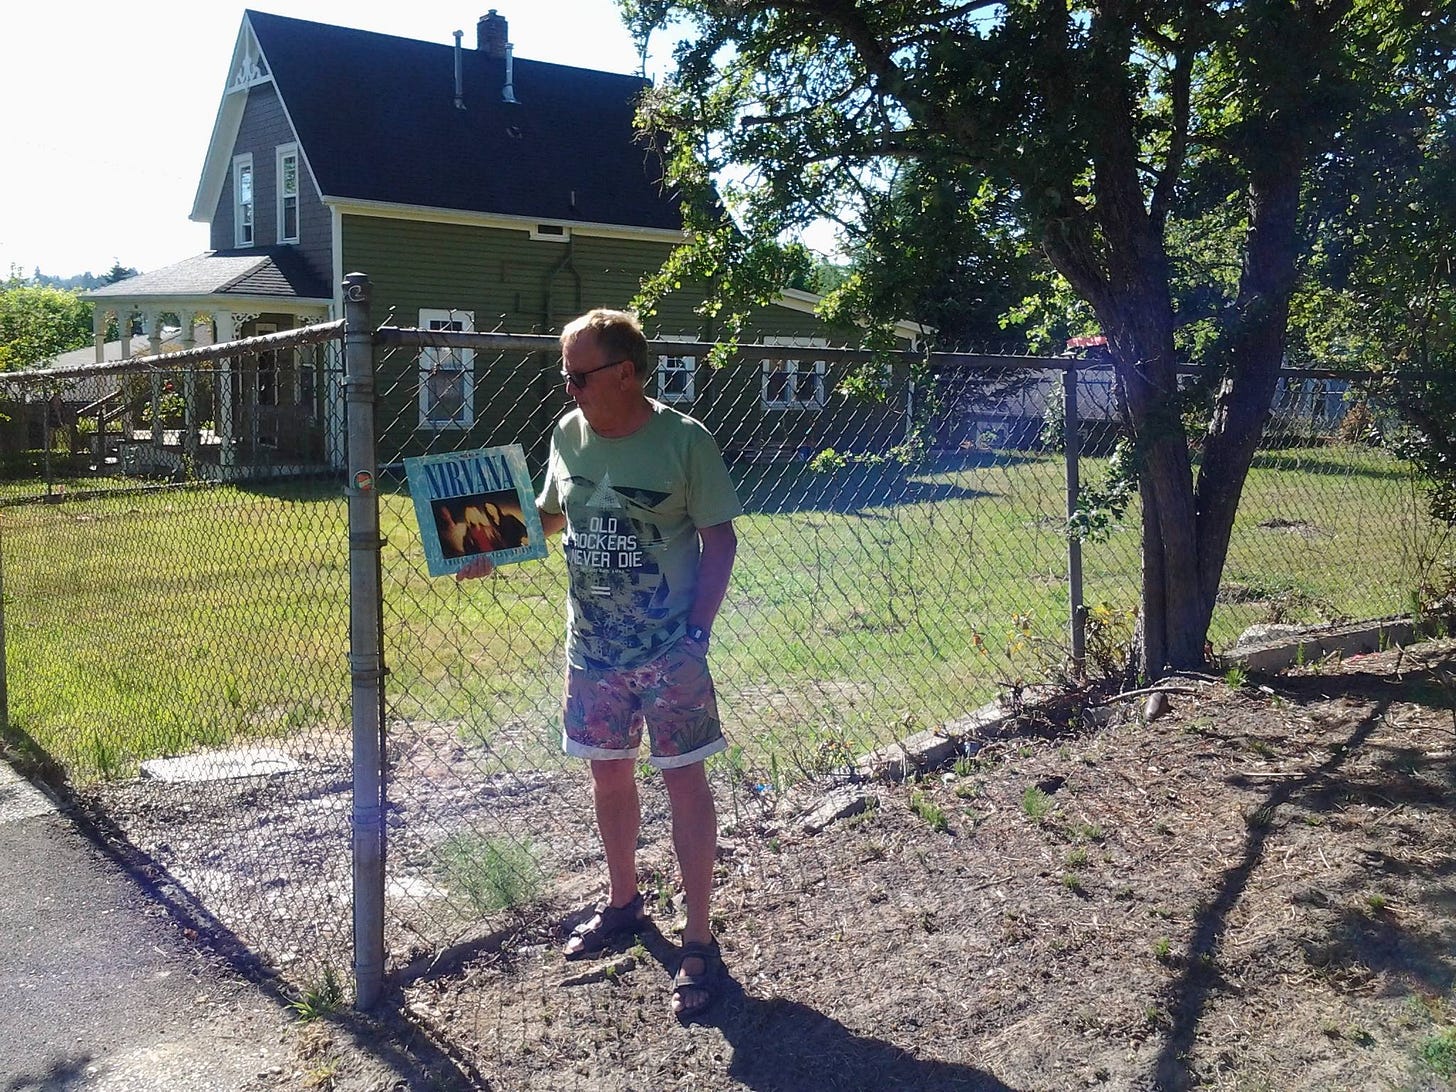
102, 989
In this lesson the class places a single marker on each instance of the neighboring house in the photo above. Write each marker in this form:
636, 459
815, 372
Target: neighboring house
479, 192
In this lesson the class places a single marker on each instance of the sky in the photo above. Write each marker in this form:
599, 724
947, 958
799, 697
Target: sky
108, 108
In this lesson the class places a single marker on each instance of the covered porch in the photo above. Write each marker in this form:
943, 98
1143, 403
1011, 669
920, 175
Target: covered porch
268, 410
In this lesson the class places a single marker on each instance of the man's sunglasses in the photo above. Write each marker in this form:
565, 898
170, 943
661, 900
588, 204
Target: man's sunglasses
578, 379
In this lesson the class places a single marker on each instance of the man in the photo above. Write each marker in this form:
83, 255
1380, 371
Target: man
647, 508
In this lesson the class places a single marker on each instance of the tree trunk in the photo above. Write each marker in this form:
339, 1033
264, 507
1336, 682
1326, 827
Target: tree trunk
1255, 352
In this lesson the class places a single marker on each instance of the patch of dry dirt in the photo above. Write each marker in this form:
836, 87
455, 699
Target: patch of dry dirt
1255, 891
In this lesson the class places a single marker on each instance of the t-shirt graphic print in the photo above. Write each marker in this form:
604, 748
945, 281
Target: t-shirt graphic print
633, 506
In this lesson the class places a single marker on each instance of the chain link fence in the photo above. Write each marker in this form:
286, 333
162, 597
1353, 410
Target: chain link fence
178, 589
175, 566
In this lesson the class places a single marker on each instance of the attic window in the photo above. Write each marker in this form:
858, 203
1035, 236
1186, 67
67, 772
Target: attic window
551, 233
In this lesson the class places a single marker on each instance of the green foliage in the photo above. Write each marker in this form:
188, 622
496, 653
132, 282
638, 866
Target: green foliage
930, 811
323, 997
1438, 1052
1175, 165
491, 873
1036, 804
38, 324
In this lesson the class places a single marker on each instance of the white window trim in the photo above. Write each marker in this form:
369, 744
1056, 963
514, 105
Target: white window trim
690, 368
282, 152
239, 162
799, 370
430, 360
556, 233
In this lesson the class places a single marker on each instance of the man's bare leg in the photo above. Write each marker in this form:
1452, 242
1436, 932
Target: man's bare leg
695, 837
619, 819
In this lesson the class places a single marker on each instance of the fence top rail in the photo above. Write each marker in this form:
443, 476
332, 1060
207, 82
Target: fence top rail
283, 339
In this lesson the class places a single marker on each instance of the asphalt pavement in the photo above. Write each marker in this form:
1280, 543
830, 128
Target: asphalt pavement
104, 987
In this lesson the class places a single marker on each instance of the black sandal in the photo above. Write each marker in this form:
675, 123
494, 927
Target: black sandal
705, 982
606, 926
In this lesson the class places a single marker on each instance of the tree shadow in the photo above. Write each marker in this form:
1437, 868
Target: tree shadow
1360, 945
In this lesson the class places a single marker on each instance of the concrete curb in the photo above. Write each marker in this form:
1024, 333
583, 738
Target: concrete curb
1312, 645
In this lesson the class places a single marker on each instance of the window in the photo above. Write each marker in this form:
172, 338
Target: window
792, 383
675, 376
243, 200
447, 382
288, 193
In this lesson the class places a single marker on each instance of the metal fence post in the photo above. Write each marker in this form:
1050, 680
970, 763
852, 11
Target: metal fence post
1072, 445
366, 658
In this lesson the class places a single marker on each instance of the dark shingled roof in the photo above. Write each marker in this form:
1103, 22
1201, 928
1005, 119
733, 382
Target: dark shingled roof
253, 271
377, 119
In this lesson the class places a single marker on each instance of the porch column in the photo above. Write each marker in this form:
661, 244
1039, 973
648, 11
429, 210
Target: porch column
152, 327
98, 331
227, 330
123, 327
191, 441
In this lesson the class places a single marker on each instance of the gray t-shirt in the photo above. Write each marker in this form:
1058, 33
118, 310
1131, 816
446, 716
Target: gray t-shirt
633, 506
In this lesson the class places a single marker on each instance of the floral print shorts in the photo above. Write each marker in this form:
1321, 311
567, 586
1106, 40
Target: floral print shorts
673, 696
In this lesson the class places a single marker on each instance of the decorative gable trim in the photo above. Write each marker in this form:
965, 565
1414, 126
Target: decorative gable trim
249, 69
249, 66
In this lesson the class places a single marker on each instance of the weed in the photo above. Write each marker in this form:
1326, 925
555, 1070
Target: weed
1236, 678
1073, 883
1035, 804
662, 891
1077, 858
490, 873
1088, 832
930, 811
1438, 1053
322, 998
1376, 903
1260, 748
1163, 950
967, 790
965, 765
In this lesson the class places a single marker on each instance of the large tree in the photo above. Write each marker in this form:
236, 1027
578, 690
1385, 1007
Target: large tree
1112, 132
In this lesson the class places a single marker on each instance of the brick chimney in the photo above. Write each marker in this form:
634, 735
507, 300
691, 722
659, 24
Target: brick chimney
491, 35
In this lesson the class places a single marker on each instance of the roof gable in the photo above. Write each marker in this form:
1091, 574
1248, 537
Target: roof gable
376, 118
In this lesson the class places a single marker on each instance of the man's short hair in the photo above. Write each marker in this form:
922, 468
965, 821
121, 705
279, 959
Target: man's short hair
618, 333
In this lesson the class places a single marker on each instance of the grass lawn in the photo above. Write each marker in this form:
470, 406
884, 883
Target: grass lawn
865, 605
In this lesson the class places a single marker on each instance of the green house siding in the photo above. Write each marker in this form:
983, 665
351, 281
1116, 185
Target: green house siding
514, 284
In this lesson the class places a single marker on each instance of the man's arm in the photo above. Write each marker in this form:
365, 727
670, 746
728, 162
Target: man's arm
715, 565
551, 523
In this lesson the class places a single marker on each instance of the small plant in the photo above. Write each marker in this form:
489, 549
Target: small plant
1035, 803
930, 811
1073, 883
490, 873
1077, 858
965, 765
1163, 950
1236, 678
1376, 903
322, 998
1438, 1053
662, 890
1088, 832
967, 790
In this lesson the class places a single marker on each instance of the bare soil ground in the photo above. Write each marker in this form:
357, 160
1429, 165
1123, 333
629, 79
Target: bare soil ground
1254, 891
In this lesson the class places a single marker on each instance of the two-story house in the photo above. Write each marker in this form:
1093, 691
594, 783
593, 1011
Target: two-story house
479, 191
